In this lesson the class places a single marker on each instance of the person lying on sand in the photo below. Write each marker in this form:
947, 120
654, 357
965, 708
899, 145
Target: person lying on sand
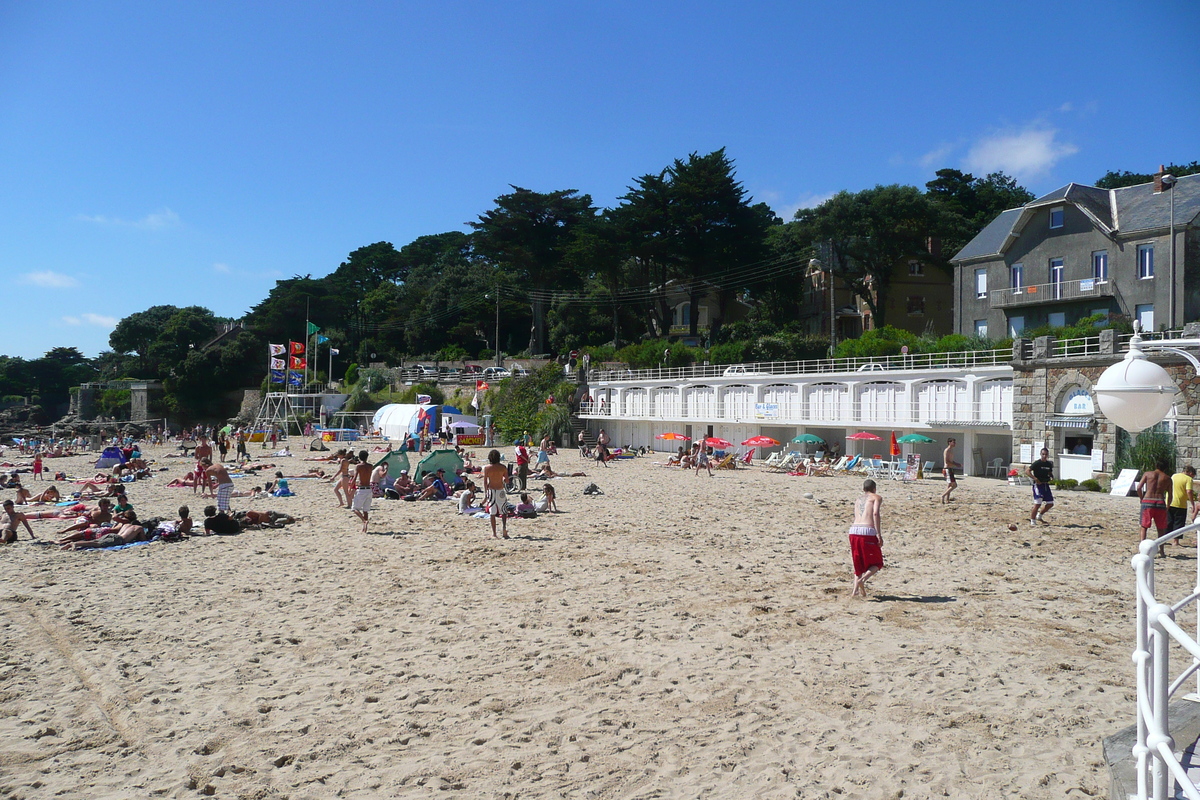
99, 516
256, 520
128, 533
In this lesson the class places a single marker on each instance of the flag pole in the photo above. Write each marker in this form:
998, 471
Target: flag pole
329, 375
307, 301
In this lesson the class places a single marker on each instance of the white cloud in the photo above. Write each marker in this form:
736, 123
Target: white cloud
48, 279
1024, 154
156, 220
88, 318
808, 200
219, 267
1066, 108
937, 157
100, 319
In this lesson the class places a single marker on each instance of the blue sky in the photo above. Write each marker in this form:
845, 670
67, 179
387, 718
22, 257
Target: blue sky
171, 153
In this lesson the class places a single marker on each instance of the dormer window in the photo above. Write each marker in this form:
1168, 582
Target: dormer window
1056, 218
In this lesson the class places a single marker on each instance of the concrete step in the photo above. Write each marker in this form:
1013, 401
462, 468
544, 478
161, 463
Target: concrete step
1122, 766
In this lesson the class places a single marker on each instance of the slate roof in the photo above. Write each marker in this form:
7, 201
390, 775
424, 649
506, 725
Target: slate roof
1138, 208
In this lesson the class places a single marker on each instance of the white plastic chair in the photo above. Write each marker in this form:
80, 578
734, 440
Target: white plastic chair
993, 467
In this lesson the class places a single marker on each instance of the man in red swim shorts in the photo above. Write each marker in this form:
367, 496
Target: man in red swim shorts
1154, 490
866, 538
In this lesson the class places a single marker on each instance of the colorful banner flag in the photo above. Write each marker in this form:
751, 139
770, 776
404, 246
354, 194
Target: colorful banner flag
276, 376
312, 329
423, 399
334, 352
475, 401
298, 363
296, 378
481, 386
297, 348
277, 349
278, 363
322, 339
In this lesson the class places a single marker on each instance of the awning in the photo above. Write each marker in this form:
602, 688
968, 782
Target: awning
960, 423
1070, 422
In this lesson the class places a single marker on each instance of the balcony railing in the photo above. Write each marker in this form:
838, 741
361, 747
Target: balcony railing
868, 367
865, 415
1085, 289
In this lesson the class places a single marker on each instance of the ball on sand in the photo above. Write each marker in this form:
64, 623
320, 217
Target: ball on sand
1012, 526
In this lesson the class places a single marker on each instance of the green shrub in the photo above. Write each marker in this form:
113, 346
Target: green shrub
1066, 483
1091, 485
1152, 449
885, 341
649, 354
789, 347
730, 352
352, 374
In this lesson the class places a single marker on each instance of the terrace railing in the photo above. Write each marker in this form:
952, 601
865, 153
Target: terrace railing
1085, 289
1157, 764
860, 414
920, 361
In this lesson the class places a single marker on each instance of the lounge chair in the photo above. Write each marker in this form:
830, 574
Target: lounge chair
728, 462
748, 459
773, 459
787, 464
927, 470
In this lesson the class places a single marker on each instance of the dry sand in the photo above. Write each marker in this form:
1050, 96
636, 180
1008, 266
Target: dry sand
678, 636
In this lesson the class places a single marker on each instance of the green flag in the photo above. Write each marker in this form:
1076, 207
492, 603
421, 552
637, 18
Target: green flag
312, 329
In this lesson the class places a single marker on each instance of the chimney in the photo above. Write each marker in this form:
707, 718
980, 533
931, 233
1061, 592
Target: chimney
1162, 170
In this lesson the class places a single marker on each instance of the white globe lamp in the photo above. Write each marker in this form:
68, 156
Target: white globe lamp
1135, 393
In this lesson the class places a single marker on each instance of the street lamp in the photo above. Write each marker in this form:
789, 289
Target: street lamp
1135, 393
1168, 182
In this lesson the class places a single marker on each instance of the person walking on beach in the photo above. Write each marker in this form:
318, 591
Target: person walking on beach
218, 478
341, 479
1155, 492
948, 467
704, 461
362, 496
866, 538
522, 464
602, 447
203, 450
494, 475
1041, 472
1183, 497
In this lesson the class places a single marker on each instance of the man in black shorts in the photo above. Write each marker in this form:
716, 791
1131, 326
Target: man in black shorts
948, 467
1042, 472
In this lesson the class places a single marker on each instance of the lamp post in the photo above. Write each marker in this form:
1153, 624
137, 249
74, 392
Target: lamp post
1136, 393
1168, 182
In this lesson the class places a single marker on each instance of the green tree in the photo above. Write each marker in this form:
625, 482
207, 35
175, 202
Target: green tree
967, 204
136, 332
1116, 179
527, 234
865, 235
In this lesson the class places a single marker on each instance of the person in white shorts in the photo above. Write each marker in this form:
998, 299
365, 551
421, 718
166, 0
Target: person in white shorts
361, 505
494, 475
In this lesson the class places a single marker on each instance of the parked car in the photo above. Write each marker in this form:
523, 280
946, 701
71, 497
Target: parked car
426, 371
739, 369
496, 372
519, 371
872, 368
472, 369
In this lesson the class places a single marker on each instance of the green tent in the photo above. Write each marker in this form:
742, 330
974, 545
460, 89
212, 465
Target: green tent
448, 460
396, 461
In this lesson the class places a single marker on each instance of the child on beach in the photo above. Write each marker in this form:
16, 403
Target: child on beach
866, 538
183, 525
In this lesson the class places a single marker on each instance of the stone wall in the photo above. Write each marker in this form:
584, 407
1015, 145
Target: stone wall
1042, 381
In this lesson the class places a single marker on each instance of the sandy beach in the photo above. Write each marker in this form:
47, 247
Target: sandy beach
677, 636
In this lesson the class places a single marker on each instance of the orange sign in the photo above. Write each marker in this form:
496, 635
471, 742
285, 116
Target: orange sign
469, 439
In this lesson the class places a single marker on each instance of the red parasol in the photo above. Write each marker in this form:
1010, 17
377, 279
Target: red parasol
673, 436
863, 436
716, 441
895, 445
760, 441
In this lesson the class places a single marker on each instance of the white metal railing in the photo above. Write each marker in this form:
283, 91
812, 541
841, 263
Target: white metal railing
1154, 748
866, 365
1050, 292
1087, 346
871, 415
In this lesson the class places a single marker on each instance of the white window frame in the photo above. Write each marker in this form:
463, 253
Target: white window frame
1058, 273
1140, 309
1145, 261
1100, 266
916, 268
981, 288
1016, 277
1062, 216
981, 328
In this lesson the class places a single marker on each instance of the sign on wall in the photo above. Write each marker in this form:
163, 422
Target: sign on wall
766, 410
1078, 402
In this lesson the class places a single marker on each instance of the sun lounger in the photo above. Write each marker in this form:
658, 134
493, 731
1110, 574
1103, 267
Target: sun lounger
773, 459
728, 462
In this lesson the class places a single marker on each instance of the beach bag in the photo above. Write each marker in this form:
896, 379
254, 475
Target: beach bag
592, 488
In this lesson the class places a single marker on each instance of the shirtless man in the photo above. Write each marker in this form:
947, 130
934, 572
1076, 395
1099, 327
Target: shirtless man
100, 516
9, 522
218, 478
948, 467
494, 475
362, 496
1154, 490
866, 538
127, 533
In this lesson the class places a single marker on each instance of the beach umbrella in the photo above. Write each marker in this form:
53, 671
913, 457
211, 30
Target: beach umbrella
914, 438
717, 441
864, 436
895, 445
463, 425
808, 438
672, 436
760, 441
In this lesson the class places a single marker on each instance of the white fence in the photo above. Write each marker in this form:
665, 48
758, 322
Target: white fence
1157, 763
821, 411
